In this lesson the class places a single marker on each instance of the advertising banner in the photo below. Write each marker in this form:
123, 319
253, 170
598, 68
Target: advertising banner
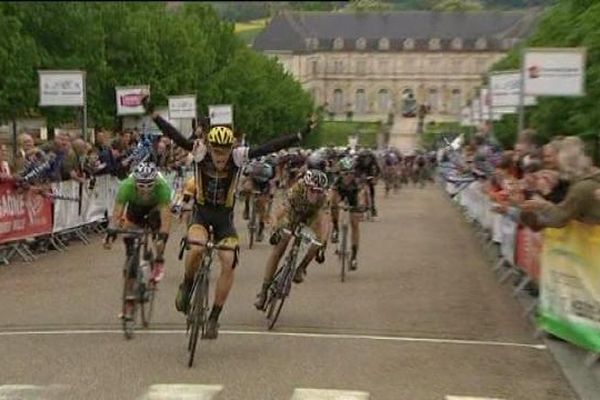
23, 214
554, 72
129, 99
182, 107
506, 87
570, 284
66, 212
529, 249
221, 114
62, 88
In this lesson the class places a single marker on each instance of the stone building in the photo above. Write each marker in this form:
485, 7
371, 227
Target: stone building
368, 63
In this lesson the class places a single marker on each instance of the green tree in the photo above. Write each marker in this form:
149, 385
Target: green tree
457, 5
18, 68
369, 5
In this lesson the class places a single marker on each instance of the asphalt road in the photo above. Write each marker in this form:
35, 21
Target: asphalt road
422, 319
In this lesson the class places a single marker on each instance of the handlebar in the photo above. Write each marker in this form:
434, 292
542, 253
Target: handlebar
304, 236
185, 245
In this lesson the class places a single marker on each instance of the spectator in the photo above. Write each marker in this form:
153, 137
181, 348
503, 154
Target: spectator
60, 147
4, 167
582, 200
106, 158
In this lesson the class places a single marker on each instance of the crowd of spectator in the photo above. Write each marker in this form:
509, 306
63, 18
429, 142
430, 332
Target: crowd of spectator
537, 186
68, 156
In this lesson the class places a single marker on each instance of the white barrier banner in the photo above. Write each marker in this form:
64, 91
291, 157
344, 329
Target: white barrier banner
94, 202
506, 90
221, 114
554, 72
111, 193
508, 243
66, 212
129, 99
182, 107
62, 88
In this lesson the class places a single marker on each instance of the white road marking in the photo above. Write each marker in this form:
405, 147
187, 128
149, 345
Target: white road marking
182, 392
31, 392
326, 394
470, 398
281, 334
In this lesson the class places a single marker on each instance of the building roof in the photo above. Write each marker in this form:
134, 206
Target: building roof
317, 31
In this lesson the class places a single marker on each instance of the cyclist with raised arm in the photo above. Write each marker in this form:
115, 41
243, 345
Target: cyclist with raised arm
216, 174
143, 195
348, 188
367, 169
306, 203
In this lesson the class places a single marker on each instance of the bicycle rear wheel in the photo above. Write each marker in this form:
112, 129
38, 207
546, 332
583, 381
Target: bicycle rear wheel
197, 315
344, 251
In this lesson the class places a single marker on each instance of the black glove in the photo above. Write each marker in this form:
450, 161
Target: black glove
148, 106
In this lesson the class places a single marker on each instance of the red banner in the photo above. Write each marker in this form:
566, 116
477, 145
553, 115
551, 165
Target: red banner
529, 250
23, 214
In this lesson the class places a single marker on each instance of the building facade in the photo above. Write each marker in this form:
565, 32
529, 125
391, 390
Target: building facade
369, 63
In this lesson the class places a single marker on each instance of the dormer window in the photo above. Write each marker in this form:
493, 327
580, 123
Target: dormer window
481, 44
409, 44
384, 44
434, 44
312, 43
361, 43
338, 44
508, 43
457, 44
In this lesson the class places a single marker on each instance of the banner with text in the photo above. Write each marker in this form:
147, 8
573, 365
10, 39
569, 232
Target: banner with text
554, 72
62, 88
182, 107
506, 90
23, 214
221, 114
129, 99
570, 284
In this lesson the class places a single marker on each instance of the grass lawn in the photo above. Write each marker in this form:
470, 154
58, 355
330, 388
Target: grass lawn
337, 132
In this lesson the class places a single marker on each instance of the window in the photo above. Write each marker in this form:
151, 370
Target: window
383, 101
457, 44
361, 102
361, 67
383, 66
338, 66
338, 101
409, 44
434, 44
361, 43
316, 95
315, 67
311, 43
409, 64
433, 99
481, 44
338, 44
433, 65
456, 66
481, 65
384, 44
455, 102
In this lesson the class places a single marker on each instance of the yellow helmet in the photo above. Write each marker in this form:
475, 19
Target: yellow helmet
220, 136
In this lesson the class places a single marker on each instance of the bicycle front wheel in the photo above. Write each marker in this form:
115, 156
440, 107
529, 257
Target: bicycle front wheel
129, 306
147, 303
274, 306
197, 315
252, 226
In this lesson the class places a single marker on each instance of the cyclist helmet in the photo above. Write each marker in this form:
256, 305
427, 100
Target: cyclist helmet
315, 179
316, 161
220, 136
145, 172
346, 164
